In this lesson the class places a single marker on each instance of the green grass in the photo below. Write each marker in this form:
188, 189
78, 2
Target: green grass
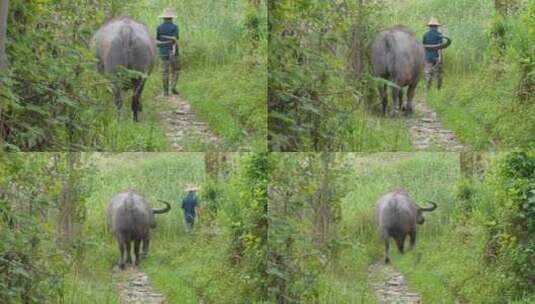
185, 269
159, 175
447, 263
120, 133
223, 80
426, 176
234, 106
225, 84
480, 107
369, 131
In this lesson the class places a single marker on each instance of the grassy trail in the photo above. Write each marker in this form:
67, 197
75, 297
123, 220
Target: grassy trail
183, 128
428, 133
390, 286
426, 176
222, 81
135, 287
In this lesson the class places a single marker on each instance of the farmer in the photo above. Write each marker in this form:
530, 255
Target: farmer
190, 206
167, 41
433, 44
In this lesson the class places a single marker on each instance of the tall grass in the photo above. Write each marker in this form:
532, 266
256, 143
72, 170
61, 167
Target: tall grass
426, 176
479, 99
154, 176
186, 269
223, 75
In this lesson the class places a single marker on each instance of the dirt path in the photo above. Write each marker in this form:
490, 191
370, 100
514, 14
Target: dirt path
427, 133
390, 286
182, 126
134, 288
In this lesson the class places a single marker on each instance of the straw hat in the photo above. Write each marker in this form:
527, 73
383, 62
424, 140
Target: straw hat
168, 13
191, 187
433, 22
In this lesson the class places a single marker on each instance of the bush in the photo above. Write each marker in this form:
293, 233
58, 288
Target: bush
511, 226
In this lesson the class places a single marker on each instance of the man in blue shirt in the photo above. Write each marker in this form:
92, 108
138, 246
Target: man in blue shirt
167, 41
433, 44
190, 207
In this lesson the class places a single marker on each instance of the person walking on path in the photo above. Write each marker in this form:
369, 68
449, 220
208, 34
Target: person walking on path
433, 44
190, 207
167, 36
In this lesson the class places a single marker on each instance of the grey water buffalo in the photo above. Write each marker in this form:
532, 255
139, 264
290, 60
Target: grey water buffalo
397, 56
125, 43
130, 218
397, 216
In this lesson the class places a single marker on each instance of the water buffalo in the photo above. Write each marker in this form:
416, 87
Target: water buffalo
130, 218
397, 216
123, 42
397, 56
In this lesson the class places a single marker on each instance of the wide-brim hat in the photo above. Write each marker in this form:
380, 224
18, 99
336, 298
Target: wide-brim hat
168, 13
190, 188
433, 22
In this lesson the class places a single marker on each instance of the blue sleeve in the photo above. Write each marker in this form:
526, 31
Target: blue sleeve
424, 40
177, 32
183, 203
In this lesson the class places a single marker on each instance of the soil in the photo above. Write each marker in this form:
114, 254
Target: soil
134, 288
182, 125
427, 132
389, 285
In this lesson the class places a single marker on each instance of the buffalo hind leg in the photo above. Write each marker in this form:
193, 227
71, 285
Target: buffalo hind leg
138, 84
401, 243
128, 253
410, 97
145, 251
136, 251
384, 98
386, 238
412, 238
122, 250
396, 100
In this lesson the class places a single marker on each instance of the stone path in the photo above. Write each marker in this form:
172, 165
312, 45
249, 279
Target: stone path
134, 288
182, 125
427, 133
390, 286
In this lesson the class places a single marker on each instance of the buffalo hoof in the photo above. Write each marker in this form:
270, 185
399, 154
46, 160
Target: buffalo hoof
387, 260
122, 266
407, 111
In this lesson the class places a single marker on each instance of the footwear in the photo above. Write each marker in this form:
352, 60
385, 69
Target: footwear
174, 91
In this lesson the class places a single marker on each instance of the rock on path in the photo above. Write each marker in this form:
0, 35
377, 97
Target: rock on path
134, 288
427, 133
390, 286
181, 124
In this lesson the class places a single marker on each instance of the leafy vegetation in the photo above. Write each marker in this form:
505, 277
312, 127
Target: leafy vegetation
53, 99
487, 98
476, 247
223, 261
322, 96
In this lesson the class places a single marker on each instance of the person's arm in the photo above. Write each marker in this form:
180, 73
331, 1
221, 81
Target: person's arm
159, 42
